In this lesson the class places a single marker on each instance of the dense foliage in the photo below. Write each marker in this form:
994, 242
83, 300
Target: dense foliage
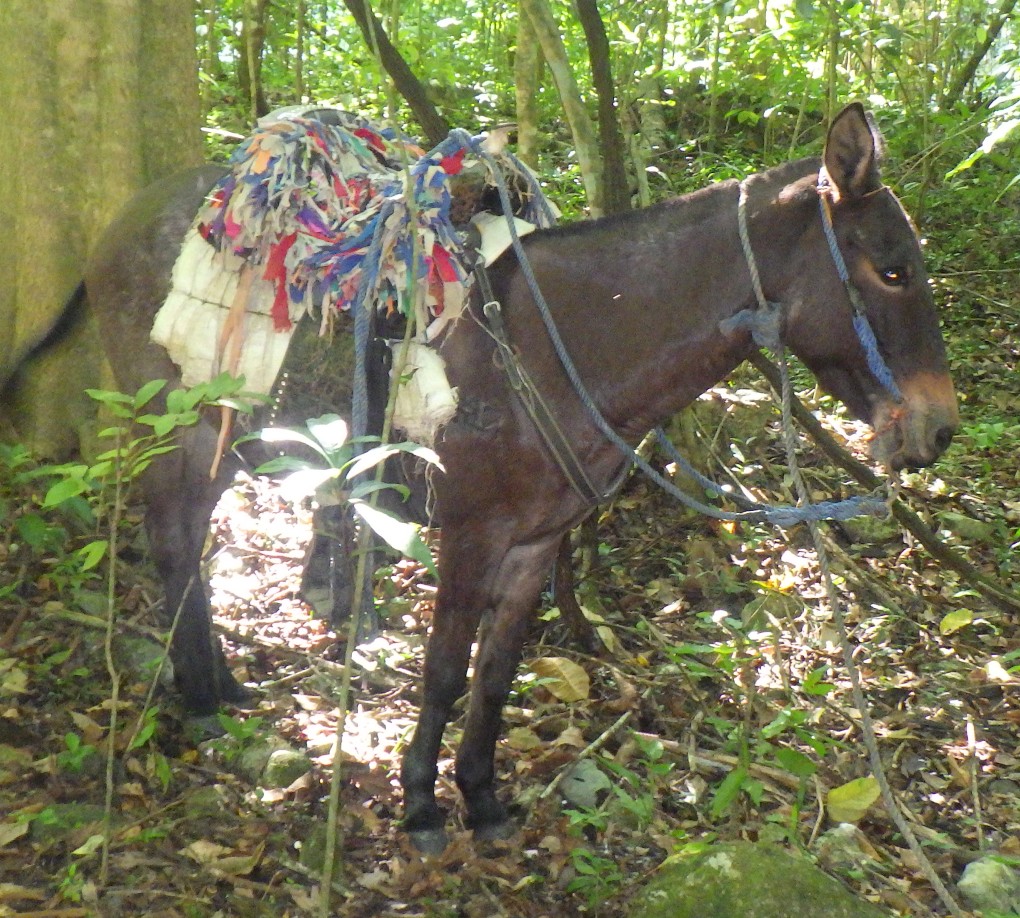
942, 74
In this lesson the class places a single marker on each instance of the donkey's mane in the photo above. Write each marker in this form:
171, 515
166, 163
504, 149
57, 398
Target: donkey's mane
702, 199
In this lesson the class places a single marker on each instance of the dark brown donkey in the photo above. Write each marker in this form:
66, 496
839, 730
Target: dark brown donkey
639, 301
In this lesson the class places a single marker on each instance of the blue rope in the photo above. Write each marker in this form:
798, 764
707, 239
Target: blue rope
779, 516
879, 368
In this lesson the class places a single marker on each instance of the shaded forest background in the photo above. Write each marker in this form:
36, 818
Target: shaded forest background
618, 104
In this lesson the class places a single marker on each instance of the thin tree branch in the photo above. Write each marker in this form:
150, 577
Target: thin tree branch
1002, 597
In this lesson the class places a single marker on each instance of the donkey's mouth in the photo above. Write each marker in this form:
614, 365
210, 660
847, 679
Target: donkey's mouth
912, 435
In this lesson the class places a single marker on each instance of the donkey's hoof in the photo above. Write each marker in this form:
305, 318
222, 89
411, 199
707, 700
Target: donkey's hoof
232, 692
430, 842
495, 832
201, 727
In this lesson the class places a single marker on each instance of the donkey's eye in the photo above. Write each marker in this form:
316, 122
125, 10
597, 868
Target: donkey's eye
894, 277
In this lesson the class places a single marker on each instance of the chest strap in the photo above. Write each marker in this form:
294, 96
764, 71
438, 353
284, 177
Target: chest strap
536, 406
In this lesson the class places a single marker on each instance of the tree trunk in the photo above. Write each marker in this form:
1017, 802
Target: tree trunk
581, 127
83, 130
253, 40
435, 126
615, 190
528, 65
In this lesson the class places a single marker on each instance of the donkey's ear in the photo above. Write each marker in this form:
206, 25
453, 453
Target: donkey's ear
852, 152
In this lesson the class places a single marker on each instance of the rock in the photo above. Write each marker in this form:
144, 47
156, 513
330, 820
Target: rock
206, 802
251, 761
845, 848
313, 848
284, 767
138, 658
585, 784
991, 885
744, 880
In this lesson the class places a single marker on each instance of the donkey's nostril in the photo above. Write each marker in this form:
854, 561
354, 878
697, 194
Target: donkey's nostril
943, 437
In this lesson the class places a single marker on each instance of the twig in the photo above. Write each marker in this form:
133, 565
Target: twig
719, 760
975, 792
867, 725
924, 534
588, 750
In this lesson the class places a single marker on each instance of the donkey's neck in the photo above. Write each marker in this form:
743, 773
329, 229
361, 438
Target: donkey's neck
639, 298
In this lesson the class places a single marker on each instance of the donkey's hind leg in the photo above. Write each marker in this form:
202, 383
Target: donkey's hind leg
179, 502
328, 583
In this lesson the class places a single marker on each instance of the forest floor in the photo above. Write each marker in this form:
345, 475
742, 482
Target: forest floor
719, 654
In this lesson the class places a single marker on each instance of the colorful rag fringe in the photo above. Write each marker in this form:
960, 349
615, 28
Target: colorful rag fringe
323, 210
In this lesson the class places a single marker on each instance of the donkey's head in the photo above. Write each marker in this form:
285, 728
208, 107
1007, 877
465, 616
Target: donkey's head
887, 283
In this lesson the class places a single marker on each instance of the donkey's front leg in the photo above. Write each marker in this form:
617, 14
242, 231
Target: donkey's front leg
516, 591
454, 624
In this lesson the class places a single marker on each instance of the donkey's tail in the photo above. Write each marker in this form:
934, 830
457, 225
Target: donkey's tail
70, 318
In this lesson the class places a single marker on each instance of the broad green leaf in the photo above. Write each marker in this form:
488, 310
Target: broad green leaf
101, 469
304, 483
109, 398
90, 846
221, 386
283, 464
373, 457
330, 431
563, 678
147, 393
286, 435
849, 802
364, 488
396, 533
795, 762
34, 530
63, 490
815, 684
955, 620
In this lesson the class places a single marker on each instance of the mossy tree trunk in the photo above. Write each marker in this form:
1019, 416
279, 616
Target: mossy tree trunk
102, 98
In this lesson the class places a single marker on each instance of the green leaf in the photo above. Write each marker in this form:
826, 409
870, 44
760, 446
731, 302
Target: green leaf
850, 801
107, 397
63, 490
954, 621
91, 554
147, 393
373, 457
330, 431
101, 469
286, 435
364, 488
728, 791
305, 482
814, 683
795, 762
283, 464
222, 386
35, 531
396, 533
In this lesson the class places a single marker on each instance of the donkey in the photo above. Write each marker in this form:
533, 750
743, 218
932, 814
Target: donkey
643, 303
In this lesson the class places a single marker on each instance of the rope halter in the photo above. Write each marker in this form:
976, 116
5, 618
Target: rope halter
765, 322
